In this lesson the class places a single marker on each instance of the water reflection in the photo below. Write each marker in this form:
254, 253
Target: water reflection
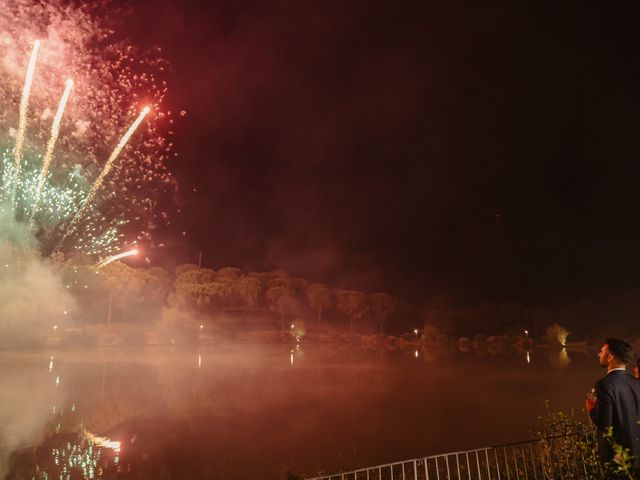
172, 415
63, 457
560, 359
27, 393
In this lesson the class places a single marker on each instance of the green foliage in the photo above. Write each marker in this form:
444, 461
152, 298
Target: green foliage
622, 463
139, 295
280, 298
279, 273
569, 449
382, 306
185, 267
284, 282
351, 304
136, 294
565, 441
229, 272
320, 298
201, 275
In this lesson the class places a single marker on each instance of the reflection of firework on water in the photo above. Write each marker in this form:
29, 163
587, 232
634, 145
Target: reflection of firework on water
111, 84
102, 441
67, 456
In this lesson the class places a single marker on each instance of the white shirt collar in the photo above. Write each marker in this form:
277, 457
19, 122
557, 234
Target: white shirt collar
617, 368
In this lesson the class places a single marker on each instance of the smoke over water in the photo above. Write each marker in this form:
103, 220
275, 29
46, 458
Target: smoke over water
33, 299
27, 398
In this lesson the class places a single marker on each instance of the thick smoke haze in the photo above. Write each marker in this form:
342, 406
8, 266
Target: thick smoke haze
33, 298
27, 395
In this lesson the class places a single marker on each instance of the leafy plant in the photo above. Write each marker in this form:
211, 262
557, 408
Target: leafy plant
622, 463
568, 447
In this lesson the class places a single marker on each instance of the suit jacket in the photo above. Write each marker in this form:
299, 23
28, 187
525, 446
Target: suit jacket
618, 406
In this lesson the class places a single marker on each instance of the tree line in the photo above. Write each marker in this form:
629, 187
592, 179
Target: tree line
200, 295
229, 297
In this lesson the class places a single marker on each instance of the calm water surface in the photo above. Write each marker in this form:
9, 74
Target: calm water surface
243, 412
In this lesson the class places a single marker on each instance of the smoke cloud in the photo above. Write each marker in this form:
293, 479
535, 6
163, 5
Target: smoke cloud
33, 297
27, 398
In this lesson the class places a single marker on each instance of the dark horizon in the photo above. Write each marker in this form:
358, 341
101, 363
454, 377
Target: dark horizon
473, 152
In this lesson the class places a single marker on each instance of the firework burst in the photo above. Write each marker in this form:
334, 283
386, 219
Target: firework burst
56, 174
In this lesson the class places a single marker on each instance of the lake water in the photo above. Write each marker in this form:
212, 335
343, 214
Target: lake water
244, 412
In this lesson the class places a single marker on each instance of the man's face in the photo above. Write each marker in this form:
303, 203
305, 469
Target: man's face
604, 355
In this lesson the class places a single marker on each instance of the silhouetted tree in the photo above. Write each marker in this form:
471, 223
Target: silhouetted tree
185, 267
229, 272
279, 298
381, 306
137, 292
350, 303
320, 298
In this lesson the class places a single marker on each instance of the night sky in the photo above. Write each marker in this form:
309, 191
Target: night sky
475, 151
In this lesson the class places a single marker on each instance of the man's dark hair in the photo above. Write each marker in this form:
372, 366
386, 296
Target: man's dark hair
620, 350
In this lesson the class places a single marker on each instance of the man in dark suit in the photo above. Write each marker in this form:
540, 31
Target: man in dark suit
617, 403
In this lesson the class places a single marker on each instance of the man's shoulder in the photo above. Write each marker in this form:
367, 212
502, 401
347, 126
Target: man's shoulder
617, 378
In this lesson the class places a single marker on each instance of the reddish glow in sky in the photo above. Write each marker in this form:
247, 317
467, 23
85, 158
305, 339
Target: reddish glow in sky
473, 151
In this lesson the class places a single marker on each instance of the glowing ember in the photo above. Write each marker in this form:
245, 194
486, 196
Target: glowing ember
113, 258
102, 441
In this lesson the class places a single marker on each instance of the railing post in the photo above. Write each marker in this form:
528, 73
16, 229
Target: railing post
558, 459
506, 463
486, 457
533, 463
478, 464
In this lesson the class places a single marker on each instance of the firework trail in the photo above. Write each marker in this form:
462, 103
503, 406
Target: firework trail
22, 127
48, 156
107, 167
113, 258
105, 171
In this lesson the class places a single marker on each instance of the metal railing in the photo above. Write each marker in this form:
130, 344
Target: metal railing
563, 457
